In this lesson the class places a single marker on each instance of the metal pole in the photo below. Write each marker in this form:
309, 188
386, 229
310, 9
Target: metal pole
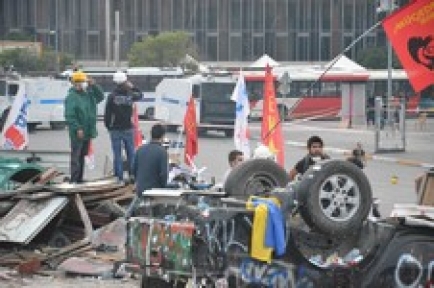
389, 75
378, 121
56, 35
107, 32
117, 38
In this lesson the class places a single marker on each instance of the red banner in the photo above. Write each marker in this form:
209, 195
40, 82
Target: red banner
137, 133
190, 127
271, 130
411, 32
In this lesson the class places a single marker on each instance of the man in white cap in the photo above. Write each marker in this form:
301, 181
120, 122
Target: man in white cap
118, 120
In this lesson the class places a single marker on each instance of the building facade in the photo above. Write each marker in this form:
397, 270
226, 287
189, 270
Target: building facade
223, 30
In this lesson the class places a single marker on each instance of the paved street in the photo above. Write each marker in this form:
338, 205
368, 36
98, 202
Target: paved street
213, 150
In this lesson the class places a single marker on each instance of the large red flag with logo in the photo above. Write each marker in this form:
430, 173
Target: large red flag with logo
271, 130
190, 127
411, 32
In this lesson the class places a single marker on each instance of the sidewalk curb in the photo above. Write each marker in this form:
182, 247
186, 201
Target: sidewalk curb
346, 152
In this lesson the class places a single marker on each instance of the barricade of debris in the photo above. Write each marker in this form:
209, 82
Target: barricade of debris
51, 227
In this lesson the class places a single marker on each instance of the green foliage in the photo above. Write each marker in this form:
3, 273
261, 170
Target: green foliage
164, 50
25, 61
18, 36
376, 58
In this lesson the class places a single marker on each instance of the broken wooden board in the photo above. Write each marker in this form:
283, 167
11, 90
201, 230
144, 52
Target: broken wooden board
87, 187
28, 218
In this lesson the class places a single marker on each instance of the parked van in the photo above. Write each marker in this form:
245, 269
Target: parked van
46, 96
215, 111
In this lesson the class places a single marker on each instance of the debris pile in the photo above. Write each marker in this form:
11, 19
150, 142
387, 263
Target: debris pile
49, 226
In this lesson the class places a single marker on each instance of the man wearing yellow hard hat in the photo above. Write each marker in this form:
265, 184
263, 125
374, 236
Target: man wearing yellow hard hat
81, 115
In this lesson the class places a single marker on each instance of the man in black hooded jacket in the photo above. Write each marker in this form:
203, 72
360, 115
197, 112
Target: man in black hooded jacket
118, 120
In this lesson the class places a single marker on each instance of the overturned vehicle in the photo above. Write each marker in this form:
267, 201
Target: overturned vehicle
261, 231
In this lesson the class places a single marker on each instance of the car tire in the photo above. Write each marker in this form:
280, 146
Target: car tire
255, 177
334, 197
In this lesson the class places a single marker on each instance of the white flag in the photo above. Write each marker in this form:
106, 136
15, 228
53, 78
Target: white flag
15, 135
242, 111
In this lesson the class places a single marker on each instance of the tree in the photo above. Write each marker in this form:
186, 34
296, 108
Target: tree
376, 58
24, 60
164, 50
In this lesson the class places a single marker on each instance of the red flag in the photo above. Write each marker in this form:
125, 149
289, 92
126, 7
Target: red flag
137, 133
89, 158
190, 127
410, 30
271, 130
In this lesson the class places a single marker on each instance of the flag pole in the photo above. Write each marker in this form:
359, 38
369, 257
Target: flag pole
332, 63
178, 140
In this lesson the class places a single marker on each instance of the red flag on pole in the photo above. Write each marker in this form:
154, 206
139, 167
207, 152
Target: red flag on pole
136, 128
89, 158
190, 127
271, 130
410, 31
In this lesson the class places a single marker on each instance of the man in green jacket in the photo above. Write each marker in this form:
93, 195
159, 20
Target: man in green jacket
81, 115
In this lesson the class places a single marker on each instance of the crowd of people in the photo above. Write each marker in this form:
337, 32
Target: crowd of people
147, 166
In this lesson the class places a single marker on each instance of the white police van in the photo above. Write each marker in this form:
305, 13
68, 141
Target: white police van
46, 96
215, 111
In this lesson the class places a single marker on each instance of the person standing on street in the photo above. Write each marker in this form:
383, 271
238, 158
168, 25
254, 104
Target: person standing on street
315, 153
81, 115
151, 164
118, 121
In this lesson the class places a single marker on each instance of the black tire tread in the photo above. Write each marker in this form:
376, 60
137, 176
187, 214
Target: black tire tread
237, 179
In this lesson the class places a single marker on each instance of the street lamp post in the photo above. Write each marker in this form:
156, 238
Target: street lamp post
55, 33
388, 6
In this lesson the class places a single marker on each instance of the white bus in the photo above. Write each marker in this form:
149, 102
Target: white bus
145, 78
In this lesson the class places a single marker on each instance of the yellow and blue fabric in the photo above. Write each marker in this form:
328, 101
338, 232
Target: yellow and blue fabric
268, 231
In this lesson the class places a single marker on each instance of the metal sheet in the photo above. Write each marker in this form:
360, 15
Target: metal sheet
28, 218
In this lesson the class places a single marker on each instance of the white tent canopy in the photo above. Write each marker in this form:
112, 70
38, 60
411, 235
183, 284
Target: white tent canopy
345, 63
263, 61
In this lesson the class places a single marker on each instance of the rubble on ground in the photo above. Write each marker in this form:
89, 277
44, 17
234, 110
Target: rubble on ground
50, 228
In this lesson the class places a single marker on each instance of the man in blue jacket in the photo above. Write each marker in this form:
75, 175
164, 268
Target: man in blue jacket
151, 164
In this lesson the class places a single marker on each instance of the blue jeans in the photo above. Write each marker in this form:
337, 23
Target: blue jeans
118, 137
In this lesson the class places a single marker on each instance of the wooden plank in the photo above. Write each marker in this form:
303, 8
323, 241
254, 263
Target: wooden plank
68, 249
101, 196
83, 215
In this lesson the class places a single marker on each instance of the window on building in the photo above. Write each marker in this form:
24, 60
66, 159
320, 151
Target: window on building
177, 14
212, 15
258, 15
212, 46
93, 46
235, 15
155, 14
325, 48
235, 48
